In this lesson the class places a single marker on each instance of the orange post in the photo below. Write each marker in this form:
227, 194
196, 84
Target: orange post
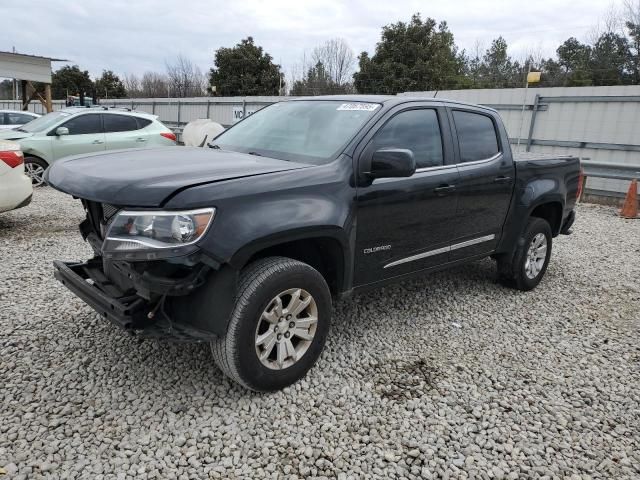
630, 207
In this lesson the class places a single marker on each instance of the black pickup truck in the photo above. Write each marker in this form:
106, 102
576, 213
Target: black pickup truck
244, 244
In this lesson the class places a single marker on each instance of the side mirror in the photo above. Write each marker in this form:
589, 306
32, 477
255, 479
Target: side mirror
392, 162
62, 131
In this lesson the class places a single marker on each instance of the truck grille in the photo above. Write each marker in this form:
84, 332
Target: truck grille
99, 215
108, 211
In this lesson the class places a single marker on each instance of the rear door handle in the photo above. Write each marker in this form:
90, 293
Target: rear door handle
444, 189
502, 179
141, 139
98, 142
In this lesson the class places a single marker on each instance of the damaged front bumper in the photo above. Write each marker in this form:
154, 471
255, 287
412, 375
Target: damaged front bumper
149, 315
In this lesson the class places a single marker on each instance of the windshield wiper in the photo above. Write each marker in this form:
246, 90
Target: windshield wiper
20, 130
255, 153
213, 145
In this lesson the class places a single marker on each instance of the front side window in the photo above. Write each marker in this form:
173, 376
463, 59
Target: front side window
119, 123
476, 136
415, 130
84, 124
305, 131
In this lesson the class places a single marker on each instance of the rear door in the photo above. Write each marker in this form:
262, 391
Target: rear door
405, 224
85, 136
486, 182
125, 131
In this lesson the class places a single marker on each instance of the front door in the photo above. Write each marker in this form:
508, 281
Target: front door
405, 224
85, 136
485, 186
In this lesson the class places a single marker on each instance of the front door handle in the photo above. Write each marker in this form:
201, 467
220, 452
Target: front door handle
98, 142
444, 190
502, 179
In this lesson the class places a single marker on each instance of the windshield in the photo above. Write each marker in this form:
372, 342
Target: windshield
312, 131
43, 123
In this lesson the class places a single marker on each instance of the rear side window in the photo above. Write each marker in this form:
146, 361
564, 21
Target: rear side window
119, 123
84, 124
476, 136
416, 130
18, 118
143, 122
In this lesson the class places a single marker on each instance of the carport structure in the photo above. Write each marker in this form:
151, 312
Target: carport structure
28, 69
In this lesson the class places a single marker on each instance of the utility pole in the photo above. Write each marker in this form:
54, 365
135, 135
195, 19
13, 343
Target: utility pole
532, 77
15, 82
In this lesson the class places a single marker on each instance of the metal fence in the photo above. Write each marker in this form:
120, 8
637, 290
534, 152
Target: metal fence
599, 124
180, 111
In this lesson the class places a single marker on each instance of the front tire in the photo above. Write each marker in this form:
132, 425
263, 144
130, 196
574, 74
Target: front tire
525, 269
35, 167
278, 327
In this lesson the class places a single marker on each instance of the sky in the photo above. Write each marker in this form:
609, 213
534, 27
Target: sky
133, 36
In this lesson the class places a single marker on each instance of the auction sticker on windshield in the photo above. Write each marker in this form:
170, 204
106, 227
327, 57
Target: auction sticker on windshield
363, 107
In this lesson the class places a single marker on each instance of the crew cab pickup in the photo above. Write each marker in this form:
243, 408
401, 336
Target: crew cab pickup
245, 244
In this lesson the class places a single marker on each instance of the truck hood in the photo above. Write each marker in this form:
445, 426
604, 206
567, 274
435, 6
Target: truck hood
146, 178
13, 135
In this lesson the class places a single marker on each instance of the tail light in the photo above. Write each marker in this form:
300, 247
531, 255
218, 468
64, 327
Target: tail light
13, 158
170, 135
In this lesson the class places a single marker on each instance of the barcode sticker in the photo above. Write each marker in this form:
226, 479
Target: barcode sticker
363, 107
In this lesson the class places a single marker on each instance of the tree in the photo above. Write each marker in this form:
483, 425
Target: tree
574, 58
70, 80
317, 81
609, 60
337, 60
552, 73
497, 69
109, 85
419, 55
245, 70
632, 23
6, 89
132, 85
154, 85
184, 78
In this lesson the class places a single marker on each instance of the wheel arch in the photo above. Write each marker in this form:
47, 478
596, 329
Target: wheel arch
550, 211
323, 249
28, 154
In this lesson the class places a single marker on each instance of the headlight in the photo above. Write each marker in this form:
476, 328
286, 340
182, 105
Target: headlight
133, 230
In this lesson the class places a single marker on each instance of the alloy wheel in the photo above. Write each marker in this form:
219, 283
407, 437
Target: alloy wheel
35, 172
536, 256
286, 328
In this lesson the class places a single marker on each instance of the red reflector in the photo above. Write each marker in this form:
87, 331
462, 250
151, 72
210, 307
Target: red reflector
170, 135
12, 158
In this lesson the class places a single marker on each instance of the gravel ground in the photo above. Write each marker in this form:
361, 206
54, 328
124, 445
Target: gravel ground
450, 376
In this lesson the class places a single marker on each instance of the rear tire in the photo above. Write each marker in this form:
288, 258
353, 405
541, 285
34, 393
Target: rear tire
272, 339
34, 168
525, 269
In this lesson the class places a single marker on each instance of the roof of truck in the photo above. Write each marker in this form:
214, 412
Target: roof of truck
387, 99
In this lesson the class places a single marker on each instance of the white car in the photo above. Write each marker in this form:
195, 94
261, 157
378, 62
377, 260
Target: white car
10, 119
15, 186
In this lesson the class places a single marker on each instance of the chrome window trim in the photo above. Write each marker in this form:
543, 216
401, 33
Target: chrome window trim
436, 167
475, 162
484, 160
438, 251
